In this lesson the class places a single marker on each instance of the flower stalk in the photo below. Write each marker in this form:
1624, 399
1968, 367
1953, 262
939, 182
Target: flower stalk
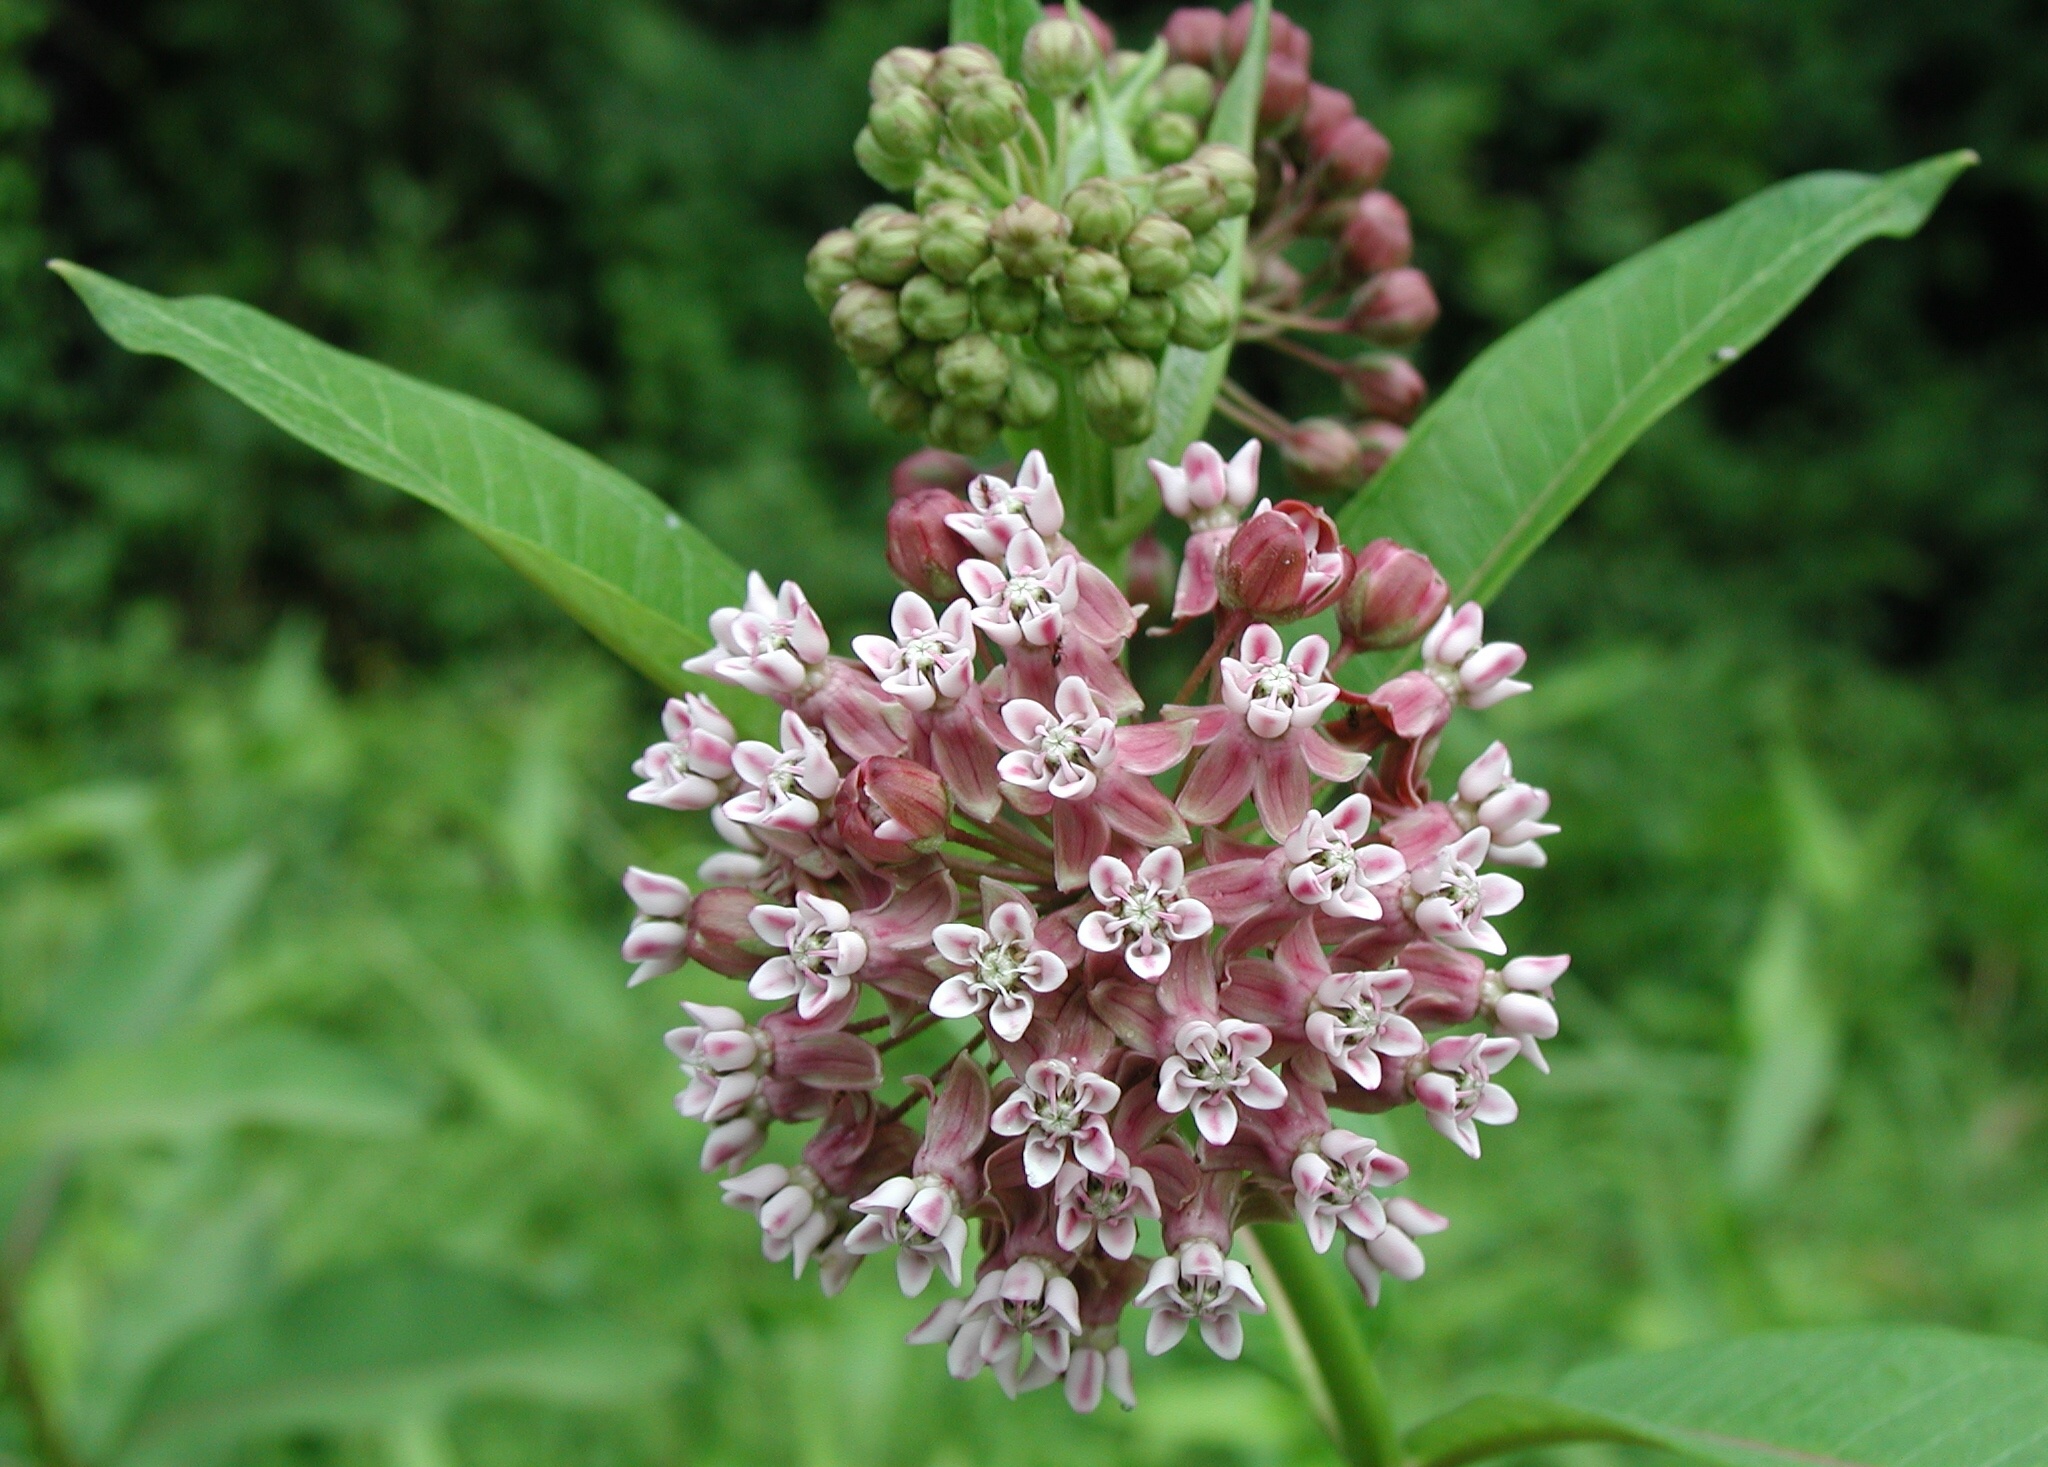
1324, 1341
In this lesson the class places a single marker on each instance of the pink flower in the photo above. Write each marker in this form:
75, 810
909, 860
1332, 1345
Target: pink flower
1215, 1068
1459, 1089
1453, 900
1025, 1305
1002, 511
1524, 1006
769, 646
1142, 915
1103, 1206
1065, 751
1329, 868
920, 1218
1333, 1182
692, 769
1512, 812
1478, 674
1210, 495
1393, 1249
1198, 1285
658, 938
724, 1058
1094, 1370
792, 1207
786, 785
1002, 967
932, 659
1354, 1023
1027, 598
1059, 1108
823, 953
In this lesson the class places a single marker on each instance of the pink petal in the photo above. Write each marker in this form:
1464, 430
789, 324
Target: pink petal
1221, 781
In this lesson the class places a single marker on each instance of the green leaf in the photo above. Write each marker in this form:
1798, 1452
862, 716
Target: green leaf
385, 1343
192, 1085
1086, 157
612, 555
1531, 426
1791, 1040
997, 24
1901, 1397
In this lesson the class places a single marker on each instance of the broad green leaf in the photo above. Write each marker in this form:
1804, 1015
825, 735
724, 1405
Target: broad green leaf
639, 578
997, 24
1530, 427
385, 1343
192, 1085
1494, 1425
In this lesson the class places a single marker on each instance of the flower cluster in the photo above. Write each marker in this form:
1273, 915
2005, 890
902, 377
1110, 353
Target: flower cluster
1175, 952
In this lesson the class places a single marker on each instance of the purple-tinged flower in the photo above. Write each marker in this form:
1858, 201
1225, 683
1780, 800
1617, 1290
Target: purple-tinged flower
784, 786
1328, 866
823, 952
1030, 1303
769, 646
1453, 900
1066, 748
1094, 1370
1059, 1109
1333, 1182
1523, 1005
1001, 511
732, 1143
1198, 1285
1490, 795
692, 768
920, 1218
1104, 1206
931, 661
1471, 670
792, 1206
1393, 1250
1001, 968
1215, 1067
1210, 495
1459, 1088
1274, 690
1143, 914
1025, 599
725, 1059
890, 811
658, 939
1354, 1023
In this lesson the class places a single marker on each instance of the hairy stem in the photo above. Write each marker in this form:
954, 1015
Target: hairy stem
1329, 1351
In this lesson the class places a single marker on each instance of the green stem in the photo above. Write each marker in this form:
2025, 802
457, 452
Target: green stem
1316, 1317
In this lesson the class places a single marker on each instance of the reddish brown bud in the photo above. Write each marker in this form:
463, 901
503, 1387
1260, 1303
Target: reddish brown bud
931, 468
1284, 38
1194, 35
721, 936
1322, 457
1446, 984
923, 549
1378, 442
1376, 237
1285, 95
1105, 38
1278, 283
1283, 563
1148, 573
1394, 309
1395, 596
1382, 385
1355, 155
890, 811
1327, 107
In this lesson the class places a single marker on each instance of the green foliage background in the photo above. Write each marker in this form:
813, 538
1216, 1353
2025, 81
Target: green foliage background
1791, 689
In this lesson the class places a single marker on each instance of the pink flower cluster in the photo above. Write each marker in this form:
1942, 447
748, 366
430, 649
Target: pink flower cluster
1163, 999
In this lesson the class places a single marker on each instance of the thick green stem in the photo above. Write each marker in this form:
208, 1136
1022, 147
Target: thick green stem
1316, 1317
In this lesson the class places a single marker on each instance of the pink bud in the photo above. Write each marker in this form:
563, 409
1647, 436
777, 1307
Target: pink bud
1322, 457
1194, 35
1394, 309
1355, 154
890, 811
1327, 108
1148, 572
1394, 597
721, 936
1381, 385
957, 1127
1286, 91
1377, 236
931, 468
1105, 38
1286, 561
834, 1061
1278, 283
923, 549
1446, 987
1413, 705
1283, 38
1378, 442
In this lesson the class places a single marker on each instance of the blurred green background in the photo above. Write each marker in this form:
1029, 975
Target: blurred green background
300, 787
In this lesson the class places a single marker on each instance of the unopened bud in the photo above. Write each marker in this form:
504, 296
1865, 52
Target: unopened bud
721, 936
1355, 155
1190, 193
1067, 341
1029, 238
1148, 572
1169, 137
1116, 396
903, 408
1235, 172
923, 550
885, 247
936, 186
1286, 93
1278, 283
1322, 457
1093, 286
890, 811
954, 66
1376, 237
884, 167
906, 123
1159, 252
1211, 252
1031, 398
931, 468
1185, 88
904, 66
1395, 596
1378, 384
954, 241
933, 310
1378, 442
1100, 29
917, 366
973, 372
829, 266
1327, 107
865, 324
1202, 317
1102, 213
1194, 35
1006, 304
1447, 985
963, 429
1059, 56
1285, 562
1145, 323
1394, 309
985, 112
1283, 37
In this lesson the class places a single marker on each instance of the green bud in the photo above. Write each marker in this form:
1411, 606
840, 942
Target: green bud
1120, 65
962, 429
873, 212
1059, 56
1185, 89
1030, 238
954, 66
1093, 286
1032, 397
906, 123
885, 247
1070, 342
1201, 316
1102, 213
917, 367
865, 325
1116, 396
933, 310
905, 66
973, 371
1211, 252
902, 408
1159, 253
884, 167
1168, 137
1236, 172
945, 186
985, 113
1190, 193
1007, 305
1145, 323
955, 240
830, 266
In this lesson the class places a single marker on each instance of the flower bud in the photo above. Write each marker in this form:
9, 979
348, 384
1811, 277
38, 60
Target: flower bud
963, 429
1211, 252
1202, 317
1286, 561
1278, 283
1098, 28
954, 240
865, 324
1235, 171
1194, 35
986, 112
1395, 596
829, 266
1446, 987
1379, 442
904, 66
1029, 238
885, 247
1169, 137
1120, 66
1059, 56
1007, 305
1093, 286
722, 937
1355, 155
1322, 457
1102, 213
1394, 309
906, 123
1145, 323
932, 310
1284, 37
1031, 398
930, 468
1148, 572
937, 186
1326, 109
1159, 254
890, 811
1116, 396
1378, 384
1069, 342
924, 551
917, 367
1190, 193
954, 66
884, 167
1286, 93
903, 408
1185, 88
973, 371
1376, 236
